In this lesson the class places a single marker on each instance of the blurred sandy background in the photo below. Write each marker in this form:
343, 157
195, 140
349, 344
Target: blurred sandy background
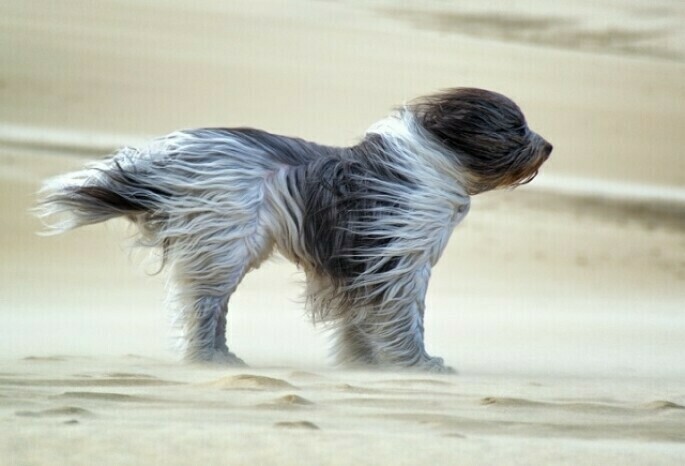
562, 304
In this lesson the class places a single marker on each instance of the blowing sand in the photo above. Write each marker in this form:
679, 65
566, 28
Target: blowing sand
560, 304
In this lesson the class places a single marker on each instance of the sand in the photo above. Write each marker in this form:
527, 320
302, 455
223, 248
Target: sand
560, 304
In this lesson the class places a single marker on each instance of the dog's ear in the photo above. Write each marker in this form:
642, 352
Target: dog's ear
471, 120
486, 131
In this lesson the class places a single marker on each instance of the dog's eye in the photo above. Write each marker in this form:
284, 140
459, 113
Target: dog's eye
521, 130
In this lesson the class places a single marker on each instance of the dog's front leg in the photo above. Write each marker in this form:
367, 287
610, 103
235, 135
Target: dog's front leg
400, 342
396, 325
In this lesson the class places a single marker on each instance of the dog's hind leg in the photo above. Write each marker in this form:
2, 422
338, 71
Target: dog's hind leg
204, 332
207, 270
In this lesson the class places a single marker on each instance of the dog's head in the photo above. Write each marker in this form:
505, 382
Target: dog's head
488, 134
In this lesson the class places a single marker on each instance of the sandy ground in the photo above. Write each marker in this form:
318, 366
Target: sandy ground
561, 304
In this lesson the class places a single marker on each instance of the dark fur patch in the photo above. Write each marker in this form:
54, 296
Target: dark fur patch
125, 191
117, 192
344, 198
108, 198
121, 193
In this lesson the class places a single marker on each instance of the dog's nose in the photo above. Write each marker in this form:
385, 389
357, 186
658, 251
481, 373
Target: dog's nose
547, 148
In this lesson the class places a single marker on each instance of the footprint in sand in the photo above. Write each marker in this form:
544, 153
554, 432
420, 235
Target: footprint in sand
250, 382
56, 412
287, 402
296, 425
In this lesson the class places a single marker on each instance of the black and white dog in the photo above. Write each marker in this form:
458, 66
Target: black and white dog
366, 223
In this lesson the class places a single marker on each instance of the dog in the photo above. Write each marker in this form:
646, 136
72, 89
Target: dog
365, 223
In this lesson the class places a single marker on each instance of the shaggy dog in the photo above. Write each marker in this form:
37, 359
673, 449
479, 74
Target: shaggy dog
366, 223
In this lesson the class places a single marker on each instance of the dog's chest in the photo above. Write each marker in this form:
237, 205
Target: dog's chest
444, 232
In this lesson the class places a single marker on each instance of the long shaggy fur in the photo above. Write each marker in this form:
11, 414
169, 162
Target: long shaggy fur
366, 223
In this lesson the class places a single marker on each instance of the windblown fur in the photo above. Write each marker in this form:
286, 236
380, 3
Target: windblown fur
366, 223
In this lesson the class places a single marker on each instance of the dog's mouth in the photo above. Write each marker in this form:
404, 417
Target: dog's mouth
528, 178
538, 158
524, 167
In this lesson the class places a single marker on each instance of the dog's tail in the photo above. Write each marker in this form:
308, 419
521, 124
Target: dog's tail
115, 187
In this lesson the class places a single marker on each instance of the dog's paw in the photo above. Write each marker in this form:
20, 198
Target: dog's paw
228, 358
436, 365
218, 357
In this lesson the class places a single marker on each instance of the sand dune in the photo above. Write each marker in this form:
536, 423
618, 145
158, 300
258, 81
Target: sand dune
560, 304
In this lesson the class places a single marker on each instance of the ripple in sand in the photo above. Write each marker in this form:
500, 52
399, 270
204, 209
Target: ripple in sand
346, 387
87, 382
415, 382
511, 402
250, 382
538, 29
394, 403
44, 358
297, 425
304, 375
53, 412
129, 375
576, 407
138, 356
663, 404
287, 401
104, 396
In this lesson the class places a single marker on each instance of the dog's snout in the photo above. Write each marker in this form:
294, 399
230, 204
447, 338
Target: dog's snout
547, 148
